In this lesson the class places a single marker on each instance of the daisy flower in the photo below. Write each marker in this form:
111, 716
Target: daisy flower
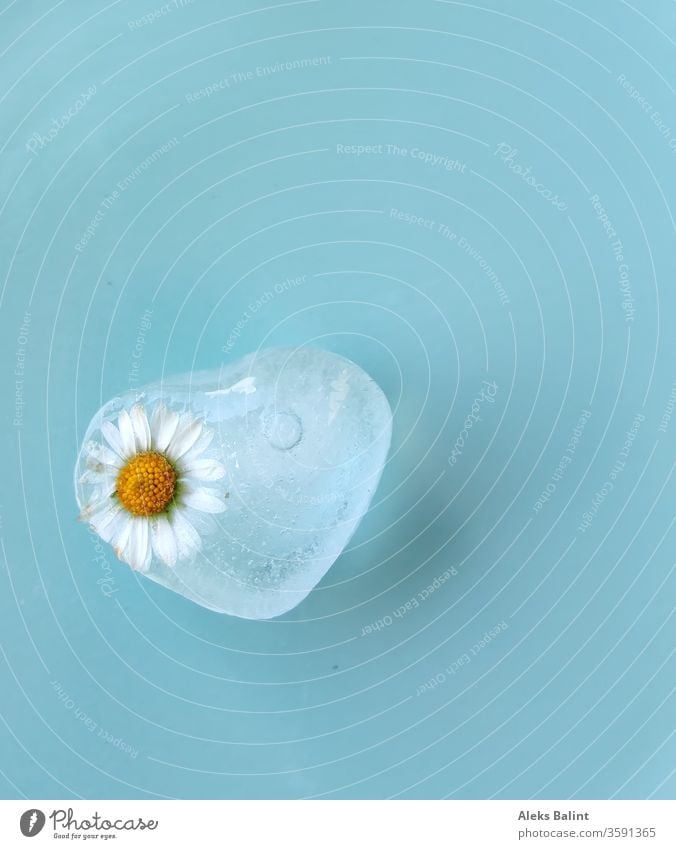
147, 481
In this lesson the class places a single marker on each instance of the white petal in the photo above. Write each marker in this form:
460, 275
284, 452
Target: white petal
99, 472
112, 436
205, 500
105, 480
120, 540
109, 525
163, 427
98, 455
138, 552
185, 437
101, 463
187, 538
139, 422
103, 517
123, 526
163, 540
205, 470
95, 508
126, 433
199, 447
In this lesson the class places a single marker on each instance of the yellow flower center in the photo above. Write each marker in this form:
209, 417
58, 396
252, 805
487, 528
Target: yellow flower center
146, 484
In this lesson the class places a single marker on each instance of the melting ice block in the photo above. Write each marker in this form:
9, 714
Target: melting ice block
303, 435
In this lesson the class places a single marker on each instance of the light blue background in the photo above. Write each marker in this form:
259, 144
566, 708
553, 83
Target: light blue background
113, 687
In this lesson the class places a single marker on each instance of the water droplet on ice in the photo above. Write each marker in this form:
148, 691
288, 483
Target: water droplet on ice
283, 430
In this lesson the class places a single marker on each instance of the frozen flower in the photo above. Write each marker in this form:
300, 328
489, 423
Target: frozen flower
147, 482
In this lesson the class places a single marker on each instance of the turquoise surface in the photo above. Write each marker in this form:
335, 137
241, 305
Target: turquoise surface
474, 202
